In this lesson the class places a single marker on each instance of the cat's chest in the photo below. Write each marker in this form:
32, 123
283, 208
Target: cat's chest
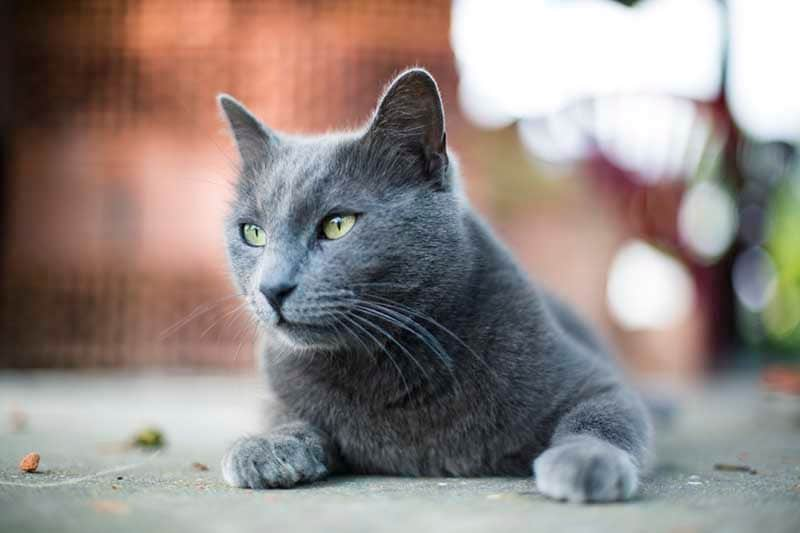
430, 430
418, 436
405, 441
359, 418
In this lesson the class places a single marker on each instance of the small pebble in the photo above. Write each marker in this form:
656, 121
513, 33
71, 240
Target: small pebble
150, 437
29, 463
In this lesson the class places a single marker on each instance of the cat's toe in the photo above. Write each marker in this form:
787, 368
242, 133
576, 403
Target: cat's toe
272, 462
587, 470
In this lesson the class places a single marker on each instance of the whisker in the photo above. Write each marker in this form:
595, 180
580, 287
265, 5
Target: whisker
223, 317
395, 318
239, 309
420, 331
430, 342
196, 312
430, 320
405, 323
248, 329
382, 284
342, 315
381, 346
395, 341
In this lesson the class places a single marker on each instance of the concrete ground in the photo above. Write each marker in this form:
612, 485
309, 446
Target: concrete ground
90, 482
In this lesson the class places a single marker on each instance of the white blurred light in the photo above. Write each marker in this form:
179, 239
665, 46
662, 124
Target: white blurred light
649, 135
531, 57
483, 112
754, 279
707, 219
556, 139
648, 289
763, 83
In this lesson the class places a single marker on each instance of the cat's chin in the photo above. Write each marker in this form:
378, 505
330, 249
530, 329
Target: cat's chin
305, 337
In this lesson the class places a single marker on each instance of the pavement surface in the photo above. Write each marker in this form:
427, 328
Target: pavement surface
89, 480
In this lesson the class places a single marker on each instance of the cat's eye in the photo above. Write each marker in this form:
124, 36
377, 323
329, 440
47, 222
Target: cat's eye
337, 226
253, 235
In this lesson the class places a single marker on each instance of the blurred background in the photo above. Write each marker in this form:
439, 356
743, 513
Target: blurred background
639, 157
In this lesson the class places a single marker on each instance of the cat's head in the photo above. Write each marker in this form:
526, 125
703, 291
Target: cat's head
330, 236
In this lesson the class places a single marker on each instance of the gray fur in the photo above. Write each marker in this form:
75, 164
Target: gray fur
415, 345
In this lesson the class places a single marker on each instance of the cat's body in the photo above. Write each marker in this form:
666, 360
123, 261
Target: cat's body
417, 347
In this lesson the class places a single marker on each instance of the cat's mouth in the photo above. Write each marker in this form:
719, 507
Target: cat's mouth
300, 327
296, 329
278, 319
307, 336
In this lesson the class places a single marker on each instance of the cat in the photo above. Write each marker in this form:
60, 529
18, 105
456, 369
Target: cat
402, 338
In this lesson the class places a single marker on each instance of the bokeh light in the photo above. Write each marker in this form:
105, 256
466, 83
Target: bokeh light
648, 289
754, 278
782, 315
707, 220
535, 57
763, 81
558, 138
654, 137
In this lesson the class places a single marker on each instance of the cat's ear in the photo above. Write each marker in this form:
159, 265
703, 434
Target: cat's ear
253, 139
410, 118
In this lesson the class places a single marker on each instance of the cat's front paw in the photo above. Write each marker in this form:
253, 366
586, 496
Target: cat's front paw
279, 461
586, 470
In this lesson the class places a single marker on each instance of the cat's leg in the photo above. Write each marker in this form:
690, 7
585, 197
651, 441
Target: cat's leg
574, 326
597, 451
289, 454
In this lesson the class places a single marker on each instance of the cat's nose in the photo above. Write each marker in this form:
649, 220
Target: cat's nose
276, 293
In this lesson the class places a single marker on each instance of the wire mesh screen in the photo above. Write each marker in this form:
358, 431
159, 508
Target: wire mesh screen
117, 167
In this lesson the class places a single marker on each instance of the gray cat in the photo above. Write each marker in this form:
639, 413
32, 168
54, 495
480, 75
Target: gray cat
401, 337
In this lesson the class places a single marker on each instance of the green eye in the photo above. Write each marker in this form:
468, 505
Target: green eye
336, 226
253, 235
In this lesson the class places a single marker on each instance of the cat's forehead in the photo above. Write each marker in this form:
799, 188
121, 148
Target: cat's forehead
301, 175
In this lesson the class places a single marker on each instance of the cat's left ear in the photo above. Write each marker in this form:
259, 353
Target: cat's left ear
253, 139
410, 118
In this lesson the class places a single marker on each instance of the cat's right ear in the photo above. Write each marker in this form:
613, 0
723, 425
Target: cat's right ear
410, 120
253, 139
